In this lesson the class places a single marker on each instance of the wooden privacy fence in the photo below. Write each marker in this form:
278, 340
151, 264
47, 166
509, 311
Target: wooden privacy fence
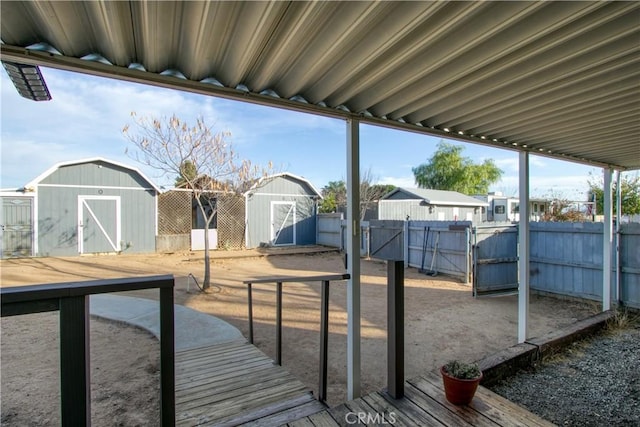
437, 247
565, 258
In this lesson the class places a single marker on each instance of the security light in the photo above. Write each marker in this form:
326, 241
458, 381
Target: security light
28, 81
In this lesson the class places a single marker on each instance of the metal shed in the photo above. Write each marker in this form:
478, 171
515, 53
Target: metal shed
424, 204
281, 211
93, 206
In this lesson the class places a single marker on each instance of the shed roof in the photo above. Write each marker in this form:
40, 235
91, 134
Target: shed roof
265, 179
558, 79
436, 197
33, 183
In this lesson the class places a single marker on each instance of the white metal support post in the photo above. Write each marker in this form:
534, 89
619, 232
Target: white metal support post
618, 235
607, 241
353, 258
523, 254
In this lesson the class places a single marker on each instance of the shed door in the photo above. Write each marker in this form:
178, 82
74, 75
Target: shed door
99, 224
283, 223
16, 226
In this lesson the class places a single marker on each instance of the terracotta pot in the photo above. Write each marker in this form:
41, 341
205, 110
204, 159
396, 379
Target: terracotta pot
459, 391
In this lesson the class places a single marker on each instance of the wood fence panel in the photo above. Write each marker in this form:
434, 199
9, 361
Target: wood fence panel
566, 258
630, 262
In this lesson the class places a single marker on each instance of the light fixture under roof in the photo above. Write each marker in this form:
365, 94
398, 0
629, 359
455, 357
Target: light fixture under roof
28, 81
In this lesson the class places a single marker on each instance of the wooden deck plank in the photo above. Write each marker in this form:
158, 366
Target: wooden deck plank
184, 362
212, 348
323, 419
488, 404
190, 401
432, 392
234, 383
402, 417
207, 361
340, 412
224, 386
215, 375
528, 418
242, 404
264, 411
280, 418
302, 422
229, 367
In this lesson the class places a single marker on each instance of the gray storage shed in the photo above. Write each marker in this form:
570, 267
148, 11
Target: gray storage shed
93, 206
281, 210
425, 204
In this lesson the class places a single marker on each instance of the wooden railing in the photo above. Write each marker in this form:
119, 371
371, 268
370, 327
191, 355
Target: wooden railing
72, 300
324, 319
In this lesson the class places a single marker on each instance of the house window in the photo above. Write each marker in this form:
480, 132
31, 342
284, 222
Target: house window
535, 207
499, 209
542, 208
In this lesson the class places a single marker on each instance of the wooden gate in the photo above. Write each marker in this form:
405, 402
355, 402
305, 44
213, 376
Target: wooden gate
495, 260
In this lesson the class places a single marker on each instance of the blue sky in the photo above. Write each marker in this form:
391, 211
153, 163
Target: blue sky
87, 114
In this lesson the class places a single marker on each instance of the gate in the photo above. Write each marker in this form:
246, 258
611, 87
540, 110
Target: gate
386, 239
495, 260
16, 226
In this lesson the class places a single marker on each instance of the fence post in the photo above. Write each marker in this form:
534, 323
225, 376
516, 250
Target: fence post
167, 358
395, 333
279, 323
324, 341
250, 301
467, 271
405, 243
75, 380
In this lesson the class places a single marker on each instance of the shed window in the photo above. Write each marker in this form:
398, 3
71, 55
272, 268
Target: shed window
499, 209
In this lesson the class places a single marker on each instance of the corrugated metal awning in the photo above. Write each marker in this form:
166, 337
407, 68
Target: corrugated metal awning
560, 79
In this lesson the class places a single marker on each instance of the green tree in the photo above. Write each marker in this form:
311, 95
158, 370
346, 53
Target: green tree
447, 169
188, 173
629, 191
203, 161
334, 196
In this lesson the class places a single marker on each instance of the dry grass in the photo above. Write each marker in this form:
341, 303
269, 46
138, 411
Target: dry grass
622, 319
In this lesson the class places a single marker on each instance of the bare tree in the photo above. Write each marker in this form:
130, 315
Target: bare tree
200, 160
371, 193
335, 194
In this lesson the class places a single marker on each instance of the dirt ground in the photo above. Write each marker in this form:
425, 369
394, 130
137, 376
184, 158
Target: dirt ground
442, 319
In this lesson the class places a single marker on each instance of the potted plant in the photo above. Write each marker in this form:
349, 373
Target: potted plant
460, 381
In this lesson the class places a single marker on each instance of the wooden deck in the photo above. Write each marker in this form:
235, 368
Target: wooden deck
235, 383
424, 404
